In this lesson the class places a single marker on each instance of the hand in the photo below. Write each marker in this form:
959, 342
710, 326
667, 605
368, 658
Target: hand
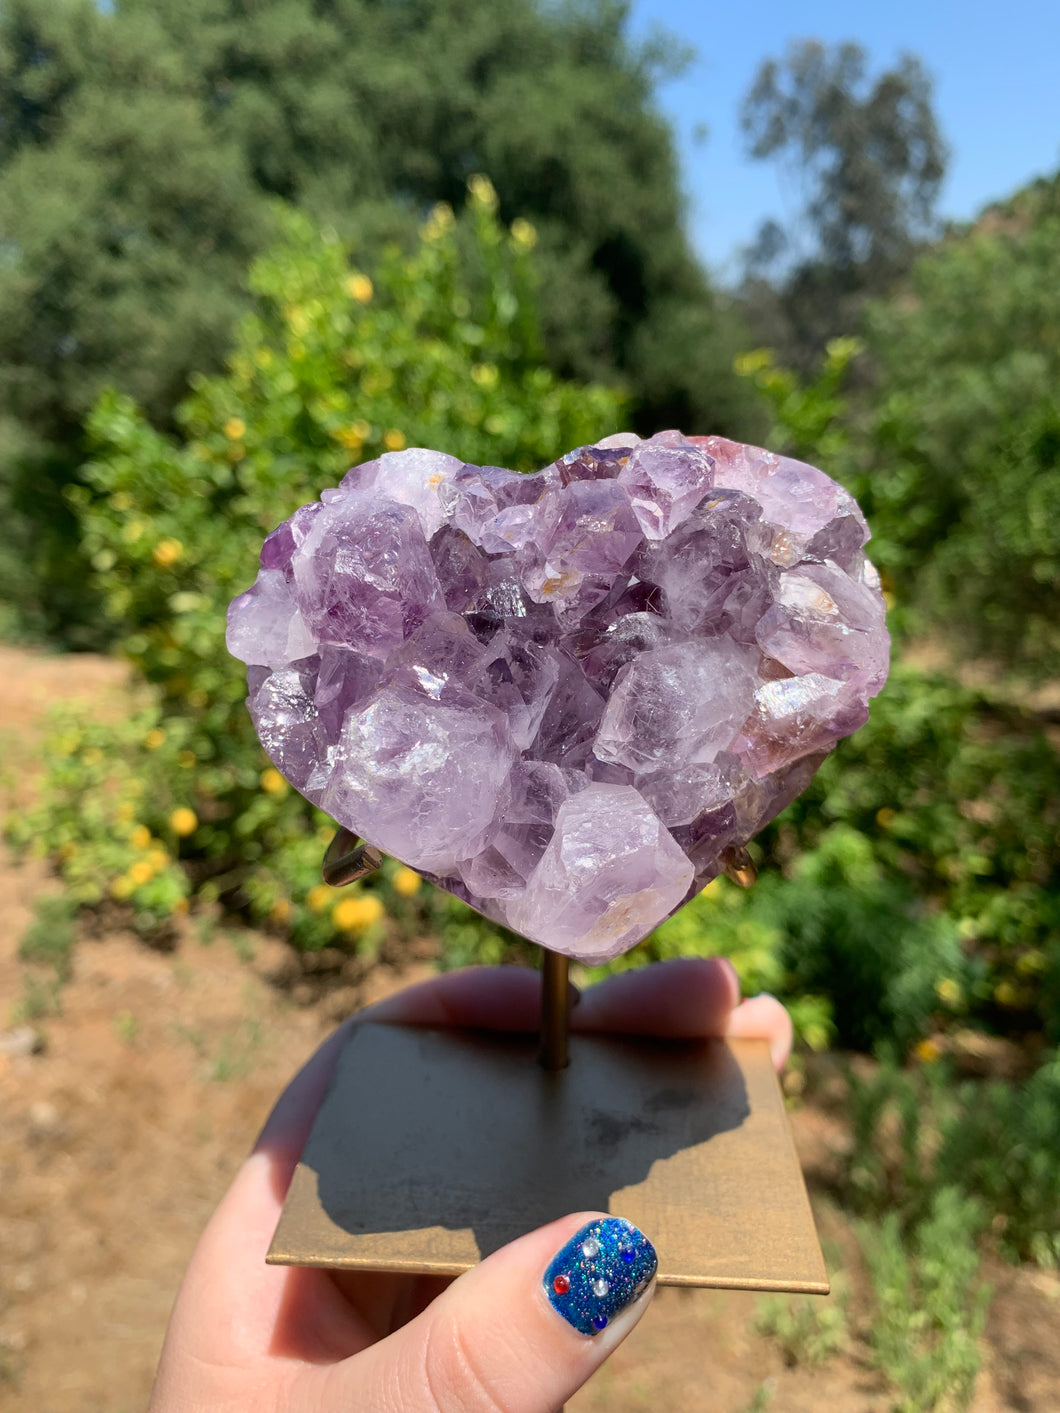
247, 1336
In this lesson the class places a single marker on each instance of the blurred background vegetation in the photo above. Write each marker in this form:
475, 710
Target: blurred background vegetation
242, 248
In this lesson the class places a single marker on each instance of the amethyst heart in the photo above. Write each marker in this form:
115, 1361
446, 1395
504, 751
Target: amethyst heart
563, 696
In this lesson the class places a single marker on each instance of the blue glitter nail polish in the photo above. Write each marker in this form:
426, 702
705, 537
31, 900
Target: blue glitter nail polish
601, 1270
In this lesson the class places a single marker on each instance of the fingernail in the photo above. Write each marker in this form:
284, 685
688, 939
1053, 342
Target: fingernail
734, 978
602, 1269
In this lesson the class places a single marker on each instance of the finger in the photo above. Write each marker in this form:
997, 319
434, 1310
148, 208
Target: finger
482, 998
228, 1291
681, 999
232, 1310
519, 1333
489, 998
763, 1018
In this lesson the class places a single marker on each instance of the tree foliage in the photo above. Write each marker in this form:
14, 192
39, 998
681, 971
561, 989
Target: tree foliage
868, 159
140, 143
960, 449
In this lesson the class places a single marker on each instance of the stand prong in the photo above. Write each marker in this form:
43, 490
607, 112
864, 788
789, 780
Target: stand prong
555, 1010
346, 861
739, 866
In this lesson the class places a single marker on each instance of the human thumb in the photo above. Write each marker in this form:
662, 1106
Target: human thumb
519, 1333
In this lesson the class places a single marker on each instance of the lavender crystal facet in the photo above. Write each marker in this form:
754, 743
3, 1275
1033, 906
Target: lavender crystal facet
563, 696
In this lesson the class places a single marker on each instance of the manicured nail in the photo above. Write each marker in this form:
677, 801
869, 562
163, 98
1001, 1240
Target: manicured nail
601, 1270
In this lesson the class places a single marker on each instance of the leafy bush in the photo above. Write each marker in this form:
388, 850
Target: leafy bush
49, 939
913, 885
930, 1305
1002, 1145
955, 798
915, 1132
334, 366
808, 1331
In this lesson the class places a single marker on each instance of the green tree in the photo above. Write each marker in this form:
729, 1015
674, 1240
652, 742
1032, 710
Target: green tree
960, 448
124, 229
868, 159
138, 143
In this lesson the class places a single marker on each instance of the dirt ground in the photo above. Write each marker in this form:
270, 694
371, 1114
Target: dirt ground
118, 1137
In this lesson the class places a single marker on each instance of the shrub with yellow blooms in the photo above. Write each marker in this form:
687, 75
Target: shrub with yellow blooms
434, 347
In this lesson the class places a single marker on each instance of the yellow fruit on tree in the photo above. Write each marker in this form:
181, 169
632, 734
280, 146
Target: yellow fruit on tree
167, 552
183, 821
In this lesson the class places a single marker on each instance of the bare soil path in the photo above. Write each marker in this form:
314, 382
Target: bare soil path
118, 1138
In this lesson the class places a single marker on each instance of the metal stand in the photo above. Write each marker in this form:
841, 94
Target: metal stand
346, 861
555, 1011
435, 1147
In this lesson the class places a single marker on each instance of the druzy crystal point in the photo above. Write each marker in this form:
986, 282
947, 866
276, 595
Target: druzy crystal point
563, 696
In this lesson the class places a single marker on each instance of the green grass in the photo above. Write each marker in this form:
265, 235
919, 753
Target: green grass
49, 940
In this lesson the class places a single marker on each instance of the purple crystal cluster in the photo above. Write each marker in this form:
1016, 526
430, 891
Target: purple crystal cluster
563, 696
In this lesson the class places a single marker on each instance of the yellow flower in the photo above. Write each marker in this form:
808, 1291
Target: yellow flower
886, 817
927, 1052
1005, 994
349, 438
440, 220
406, 882
318, 897
141, 872
484, 374
140, 838
126, 811
524, 235
359, 287
949, 991
158, 858
280, 910
183, 821
394, 440
483, 192
187, 759
167, 552
122, 887
154, 738
235, 429
1032, 963
273, 783
352, 914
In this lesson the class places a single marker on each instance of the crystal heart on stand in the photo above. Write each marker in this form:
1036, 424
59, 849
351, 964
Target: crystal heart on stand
562, 696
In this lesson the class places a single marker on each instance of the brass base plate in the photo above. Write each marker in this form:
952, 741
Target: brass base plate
435, 1147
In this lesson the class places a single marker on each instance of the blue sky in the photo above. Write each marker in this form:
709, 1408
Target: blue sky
996, 71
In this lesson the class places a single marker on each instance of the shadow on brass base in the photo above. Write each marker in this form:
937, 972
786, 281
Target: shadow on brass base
434, 1148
